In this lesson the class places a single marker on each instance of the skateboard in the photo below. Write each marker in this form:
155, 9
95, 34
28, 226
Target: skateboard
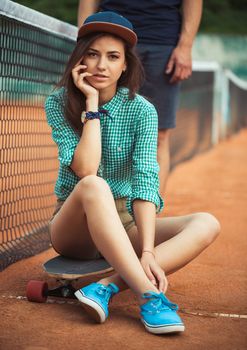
65, 271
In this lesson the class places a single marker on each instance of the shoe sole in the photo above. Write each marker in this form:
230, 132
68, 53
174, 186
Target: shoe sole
91, 307
164, 329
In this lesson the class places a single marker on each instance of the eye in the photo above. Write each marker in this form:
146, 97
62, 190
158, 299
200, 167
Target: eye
91, 54
113, 57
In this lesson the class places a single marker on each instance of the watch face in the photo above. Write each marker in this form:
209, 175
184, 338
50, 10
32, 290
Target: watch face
83, 116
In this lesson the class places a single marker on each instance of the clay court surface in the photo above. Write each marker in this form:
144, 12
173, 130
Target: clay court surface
211, 291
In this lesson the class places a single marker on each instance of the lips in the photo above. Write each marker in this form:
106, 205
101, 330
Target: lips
100, 76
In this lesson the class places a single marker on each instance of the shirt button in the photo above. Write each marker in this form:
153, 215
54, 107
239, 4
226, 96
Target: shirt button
119, 149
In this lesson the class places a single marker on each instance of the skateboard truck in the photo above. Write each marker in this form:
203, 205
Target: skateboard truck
66, 290
38, 291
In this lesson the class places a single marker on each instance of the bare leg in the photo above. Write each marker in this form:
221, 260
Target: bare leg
110, 236
178, 240
92, 207
195, 233
163, 158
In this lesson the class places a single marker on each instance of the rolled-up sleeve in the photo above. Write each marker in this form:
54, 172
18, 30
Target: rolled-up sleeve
145, 179
62, 133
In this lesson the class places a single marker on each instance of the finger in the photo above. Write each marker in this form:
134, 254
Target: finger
161, 279
80, 77
78, 67
165, 285
85, 74
188, 73
176, 75
183, 74
184, 77
162, 284
151, 276
170, 65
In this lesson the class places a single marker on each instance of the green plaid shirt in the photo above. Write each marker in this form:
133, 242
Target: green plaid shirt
129, 134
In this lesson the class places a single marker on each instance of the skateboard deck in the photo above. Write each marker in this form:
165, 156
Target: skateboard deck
65, 271
70, 269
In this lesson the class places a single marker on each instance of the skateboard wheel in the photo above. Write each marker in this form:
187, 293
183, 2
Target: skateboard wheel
37, 291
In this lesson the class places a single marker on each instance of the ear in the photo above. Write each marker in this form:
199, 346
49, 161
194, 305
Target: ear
125, 67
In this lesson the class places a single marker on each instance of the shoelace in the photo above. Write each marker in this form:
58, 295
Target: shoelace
160, 301
105, 292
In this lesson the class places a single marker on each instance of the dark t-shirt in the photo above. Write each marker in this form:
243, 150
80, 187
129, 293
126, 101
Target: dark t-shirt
154, 21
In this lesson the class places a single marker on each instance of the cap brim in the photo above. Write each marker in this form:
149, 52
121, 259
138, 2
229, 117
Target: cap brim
121, 31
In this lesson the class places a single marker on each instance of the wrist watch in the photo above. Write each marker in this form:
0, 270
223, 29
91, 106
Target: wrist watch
85, 116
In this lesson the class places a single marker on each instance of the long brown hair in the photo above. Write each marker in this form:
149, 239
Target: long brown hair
75, 101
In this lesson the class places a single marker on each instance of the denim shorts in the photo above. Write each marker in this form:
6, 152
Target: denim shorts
157, 89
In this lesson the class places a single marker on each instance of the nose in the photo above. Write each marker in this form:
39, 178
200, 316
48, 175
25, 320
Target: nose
101, 63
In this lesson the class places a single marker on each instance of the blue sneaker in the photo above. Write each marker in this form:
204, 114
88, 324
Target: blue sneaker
159, 315
95, 299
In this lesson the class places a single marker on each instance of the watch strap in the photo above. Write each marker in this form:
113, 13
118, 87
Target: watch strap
85, 116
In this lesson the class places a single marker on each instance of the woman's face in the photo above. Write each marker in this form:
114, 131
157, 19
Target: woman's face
105, 59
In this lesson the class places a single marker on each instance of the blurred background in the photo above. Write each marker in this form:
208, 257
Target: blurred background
219, 16
224, 22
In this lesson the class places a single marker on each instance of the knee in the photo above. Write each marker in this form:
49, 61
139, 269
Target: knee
208, 228
92, 187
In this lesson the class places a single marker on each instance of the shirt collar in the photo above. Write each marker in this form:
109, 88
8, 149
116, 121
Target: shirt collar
116, 102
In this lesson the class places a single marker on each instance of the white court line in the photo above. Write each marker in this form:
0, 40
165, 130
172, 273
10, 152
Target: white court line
188, 312
212, 314
48, 301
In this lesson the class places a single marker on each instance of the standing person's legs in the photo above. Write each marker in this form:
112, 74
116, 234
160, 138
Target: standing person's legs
164, 96
163, 157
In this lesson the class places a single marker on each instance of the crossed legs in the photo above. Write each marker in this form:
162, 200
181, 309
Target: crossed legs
89, 219
178, 240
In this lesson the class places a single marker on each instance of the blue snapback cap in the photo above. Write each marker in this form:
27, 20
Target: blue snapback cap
109, 22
